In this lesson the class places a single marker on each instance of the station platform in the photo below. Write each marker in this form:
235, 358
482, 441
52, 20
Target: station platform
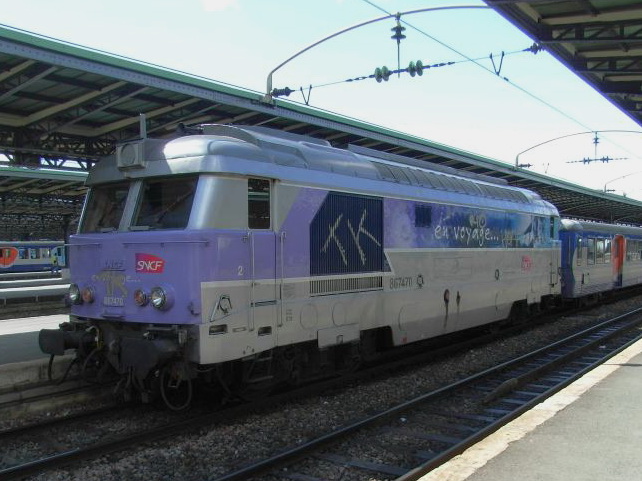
33, 293
590, 430
19, 337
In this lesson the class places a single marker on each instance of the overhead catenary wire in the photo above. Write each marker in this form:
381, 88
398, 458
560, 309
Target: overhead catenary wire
495, 71
482, 66
477, 61
434, 65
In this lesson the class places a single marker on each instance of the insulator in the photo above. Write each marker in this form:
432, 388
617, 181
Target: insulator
382, 73
412, 69
416, 68
535, 48
378, 75
280, 92
419, 65
398, 36
385, 73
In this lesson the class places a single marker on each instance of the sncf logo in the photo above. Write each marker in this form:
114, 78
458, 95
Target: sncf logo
147, 263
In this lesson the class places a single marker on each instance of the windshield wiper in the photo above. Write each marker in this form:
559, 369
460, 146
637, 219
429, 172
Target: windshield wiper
172, 206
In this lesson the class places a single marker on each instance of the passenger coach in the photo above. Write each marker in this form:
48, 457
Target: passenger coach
598, 258
31, 256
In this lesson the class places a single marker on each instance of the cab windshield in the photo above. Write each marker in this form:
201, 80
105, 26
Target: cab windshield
105, 207
165, 203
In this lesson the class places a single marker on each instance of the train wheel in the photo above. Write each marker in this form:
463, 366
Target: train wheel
176, 387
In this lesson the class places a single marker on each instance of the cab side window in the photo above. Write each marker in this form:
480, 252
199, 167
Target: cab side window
258, 207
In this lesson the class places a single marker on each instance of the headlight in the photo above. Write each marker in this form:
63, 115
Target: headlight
161, 298
88, 295
141, 298
74, 294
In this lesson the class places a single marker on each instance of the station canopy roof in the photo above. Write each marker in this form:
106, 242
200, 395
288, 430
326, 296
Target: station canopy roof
63, 107
599, 40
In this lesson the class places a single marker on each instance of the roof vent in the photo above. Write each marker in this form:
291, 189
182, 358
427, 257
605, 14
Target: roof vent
131, 156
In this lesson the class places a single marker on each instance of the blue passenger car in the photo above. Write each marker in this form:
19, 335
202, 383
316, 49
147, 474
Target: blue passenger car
599, 257
30, 256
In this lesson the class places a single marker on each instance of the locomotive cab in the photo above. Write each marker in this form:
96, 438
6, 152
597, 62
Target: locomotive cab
149, 237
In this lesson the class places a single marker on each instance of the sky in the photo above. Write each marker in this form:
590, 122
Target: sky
468, 102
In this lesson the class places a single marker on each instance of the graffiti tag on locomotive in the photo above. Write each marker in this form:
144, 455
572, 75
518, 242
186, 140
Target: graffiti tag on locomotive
346, 235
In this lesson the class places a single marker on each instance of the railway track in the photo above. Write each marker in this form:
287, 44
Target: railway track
423, 432
410, 439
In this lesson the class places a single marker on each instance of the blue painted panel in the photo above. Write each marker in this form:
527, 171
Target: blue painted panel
346, 235
411, 224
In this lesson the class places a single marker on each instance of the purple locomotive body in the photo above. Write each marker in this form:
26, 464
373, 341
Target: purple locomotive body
113, 270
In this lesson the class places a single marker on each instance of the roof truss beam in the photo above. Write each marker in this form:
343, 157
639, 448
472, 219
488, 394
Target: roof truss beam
624, 31
22, 82
107, 98
609, 65
16, 70
61, 107
150, 115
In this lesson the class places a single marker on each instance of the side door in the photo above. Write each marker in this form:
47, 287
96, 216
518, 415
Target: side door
263, 285
618, 252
